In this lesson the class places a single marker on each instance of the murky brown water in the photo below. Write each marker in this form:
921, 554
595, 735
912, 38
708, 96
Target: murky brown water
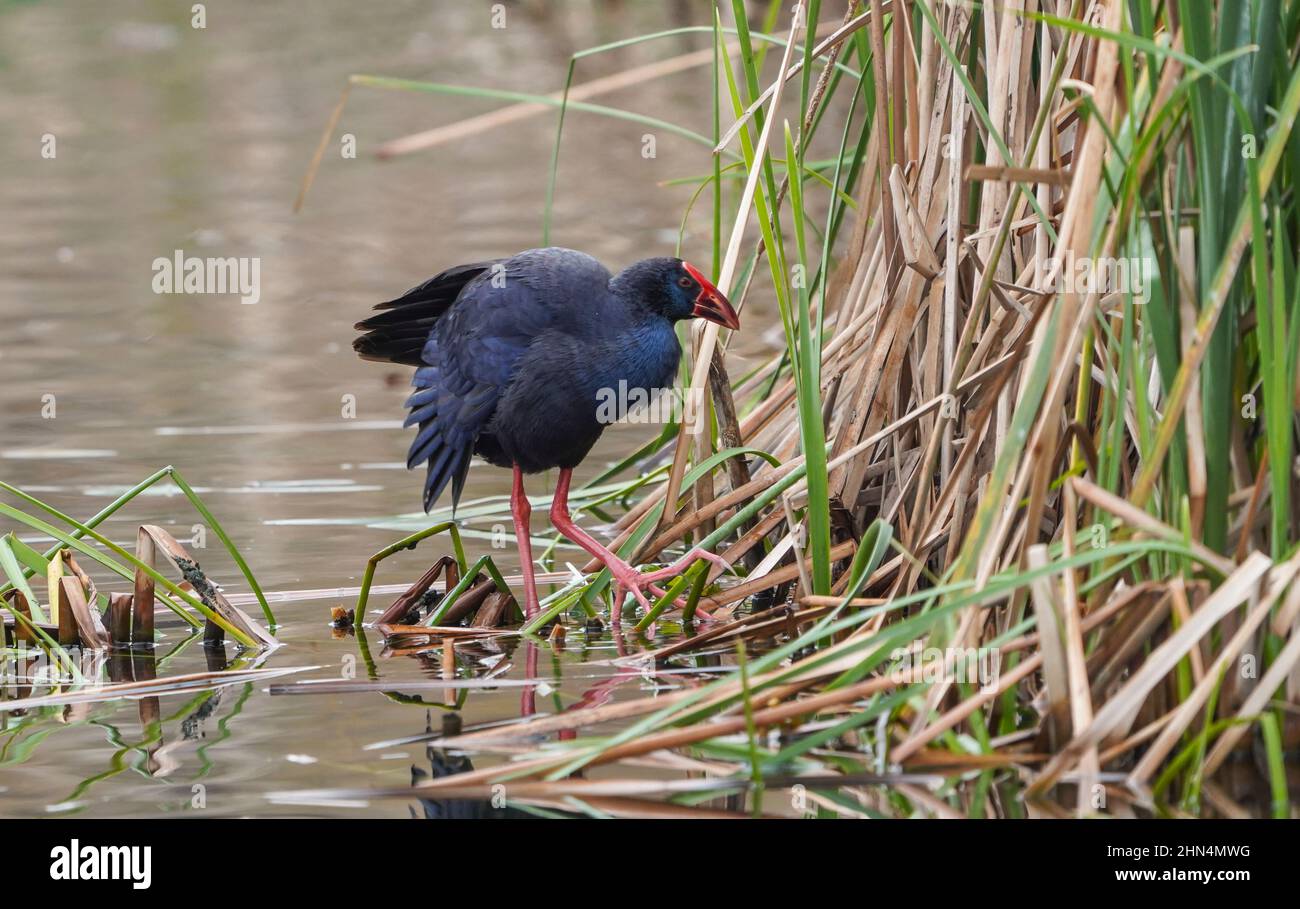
169, 137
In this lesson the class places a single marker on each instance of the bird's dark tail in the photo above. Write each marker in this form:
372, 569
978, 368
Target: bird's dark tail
442, 444
402, 332
399, 332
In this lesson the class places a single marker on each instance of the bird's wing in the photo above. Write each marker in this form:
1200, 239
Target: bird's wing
472, 354
402, 327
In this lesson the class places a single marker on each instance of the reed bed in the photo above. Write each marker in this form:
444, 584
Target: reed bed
70, 610
69, 647
1036, 404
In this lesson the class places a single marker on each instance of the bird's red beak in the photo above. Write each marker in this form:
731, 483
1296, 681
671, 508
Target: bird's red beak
711, 304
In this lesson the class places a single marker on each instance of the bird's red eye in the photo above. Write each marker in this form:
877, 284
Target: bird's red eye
684, 281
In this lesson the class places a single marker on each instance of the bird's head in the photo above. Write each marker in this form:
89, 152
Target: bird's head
675, 290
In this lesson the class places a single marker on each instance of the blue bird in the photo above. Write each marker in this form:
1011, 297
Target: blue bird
513, 358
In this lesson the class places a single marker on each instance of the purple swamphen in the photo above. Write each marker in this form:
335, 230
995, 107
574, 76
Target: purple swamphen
513, 356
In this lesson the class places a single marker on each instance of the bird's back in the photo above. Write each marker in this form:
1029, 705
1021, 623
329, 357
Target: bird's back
511, 354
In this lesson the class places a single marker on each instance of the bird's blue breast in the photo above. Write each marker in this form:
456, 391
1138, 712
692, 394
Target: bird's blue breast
648, 355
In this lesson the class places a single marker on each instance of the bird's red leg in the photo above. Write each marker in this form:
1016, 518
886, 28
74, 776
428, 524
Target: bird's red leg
521, 511
625, 575
528, 700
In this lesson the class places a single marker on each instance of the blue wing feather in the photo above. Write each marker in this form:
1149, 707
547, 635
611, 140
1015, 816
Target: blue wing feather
467, 330
473, 350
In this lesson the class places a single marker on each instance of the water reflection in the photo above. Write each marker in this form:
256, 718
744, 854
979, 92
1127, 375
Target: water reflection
442, 764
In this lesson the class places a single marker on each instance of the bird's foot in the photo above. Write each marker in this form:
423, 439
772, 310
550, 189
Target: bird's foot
628, 579
695, 555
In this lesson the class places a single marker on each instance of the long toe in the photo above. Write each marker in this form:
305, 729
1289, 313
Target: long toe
685, 562
627, 579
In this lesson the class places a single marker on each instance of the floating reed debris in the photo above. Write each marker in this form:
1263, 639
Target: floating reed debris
360, 686
121, 606
224, 615
151, 688
74, 615
476, 592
